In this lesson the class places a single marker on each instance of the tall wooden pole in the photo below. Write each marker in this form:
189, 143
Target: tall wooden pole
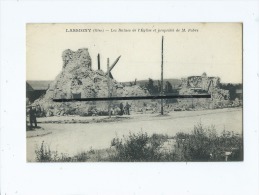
108, 82
162, 72
114, 63
98, 61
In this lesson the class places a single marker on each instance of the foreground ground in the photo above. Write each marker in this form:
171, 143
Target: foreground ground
74, 134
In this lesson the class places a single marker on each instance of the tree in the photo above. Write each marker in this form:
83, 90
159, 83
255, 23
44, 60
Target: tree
168, 88
150, 86
232, 89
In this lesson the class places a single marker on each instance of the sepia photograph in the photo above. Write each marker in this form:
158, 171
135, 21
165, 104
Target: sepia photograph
134, 92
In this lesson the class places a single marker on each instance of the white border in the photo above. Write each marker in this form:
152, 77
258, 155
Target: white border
19, 177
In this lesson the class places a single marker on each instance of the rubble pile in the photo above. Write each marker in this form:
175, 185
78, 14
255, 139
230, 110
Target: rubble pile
203, 82
78, 80
195, 85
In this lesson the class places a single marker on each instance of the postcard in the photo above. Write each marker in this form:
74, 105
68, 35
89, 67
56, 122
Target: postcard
134, 92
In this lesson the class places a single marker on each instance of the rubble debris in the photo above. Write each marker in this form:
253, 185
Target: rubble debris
78, 80
193, 85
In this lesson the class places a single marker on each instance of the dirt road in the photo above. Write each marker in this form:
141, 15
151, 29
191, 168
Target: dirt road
77, 137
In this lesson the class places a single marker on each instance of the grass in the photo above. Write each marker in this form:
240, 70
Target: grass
44, 154
202, 144
138, 148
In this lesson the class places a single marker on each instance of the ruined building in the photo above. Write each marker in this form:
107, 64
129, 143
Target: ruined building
203, 84
78, 80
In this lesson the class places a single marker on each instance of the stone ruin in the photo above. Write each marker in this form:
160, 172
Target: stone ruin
203, 82
202, 85
78, 80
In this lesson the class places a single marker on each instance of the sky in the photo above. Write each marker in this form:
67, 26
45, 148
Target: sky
189, 49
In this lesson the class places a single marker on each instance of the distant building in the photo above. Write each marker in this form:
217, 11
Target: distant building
35, 89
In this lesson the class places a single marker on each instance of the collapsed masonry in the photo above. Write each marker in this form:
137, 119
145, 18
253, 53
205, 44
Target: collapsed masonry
204, 84
78, 80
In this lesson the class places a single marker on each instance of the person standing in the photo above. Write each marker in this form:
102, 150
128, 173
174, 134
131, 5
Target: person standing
33, 118
121, 109
127, 108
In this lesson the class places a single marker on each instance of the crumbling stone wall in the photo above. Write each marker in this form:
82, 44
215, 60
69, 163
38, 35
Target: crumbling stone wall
79, 58
77, 79
195, 85
203, 82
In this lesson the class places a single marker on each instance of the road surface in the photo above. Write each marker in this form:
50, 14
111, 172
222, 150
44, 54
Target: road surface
76, 137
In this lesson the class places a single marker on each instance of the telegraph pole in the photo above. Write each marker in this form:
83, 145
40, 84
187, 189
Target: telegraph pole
162, 72
98, 61
108, 82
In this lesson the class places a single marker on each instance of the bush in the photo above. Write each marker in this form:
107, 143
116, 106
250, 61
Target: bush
44, 154
138, 147
81, 157
203, 144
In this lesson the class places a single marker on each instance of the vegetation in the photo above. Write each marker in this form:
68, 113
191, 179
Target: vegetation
44, 154
138, 147
232, 89
156, 89
203, 144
